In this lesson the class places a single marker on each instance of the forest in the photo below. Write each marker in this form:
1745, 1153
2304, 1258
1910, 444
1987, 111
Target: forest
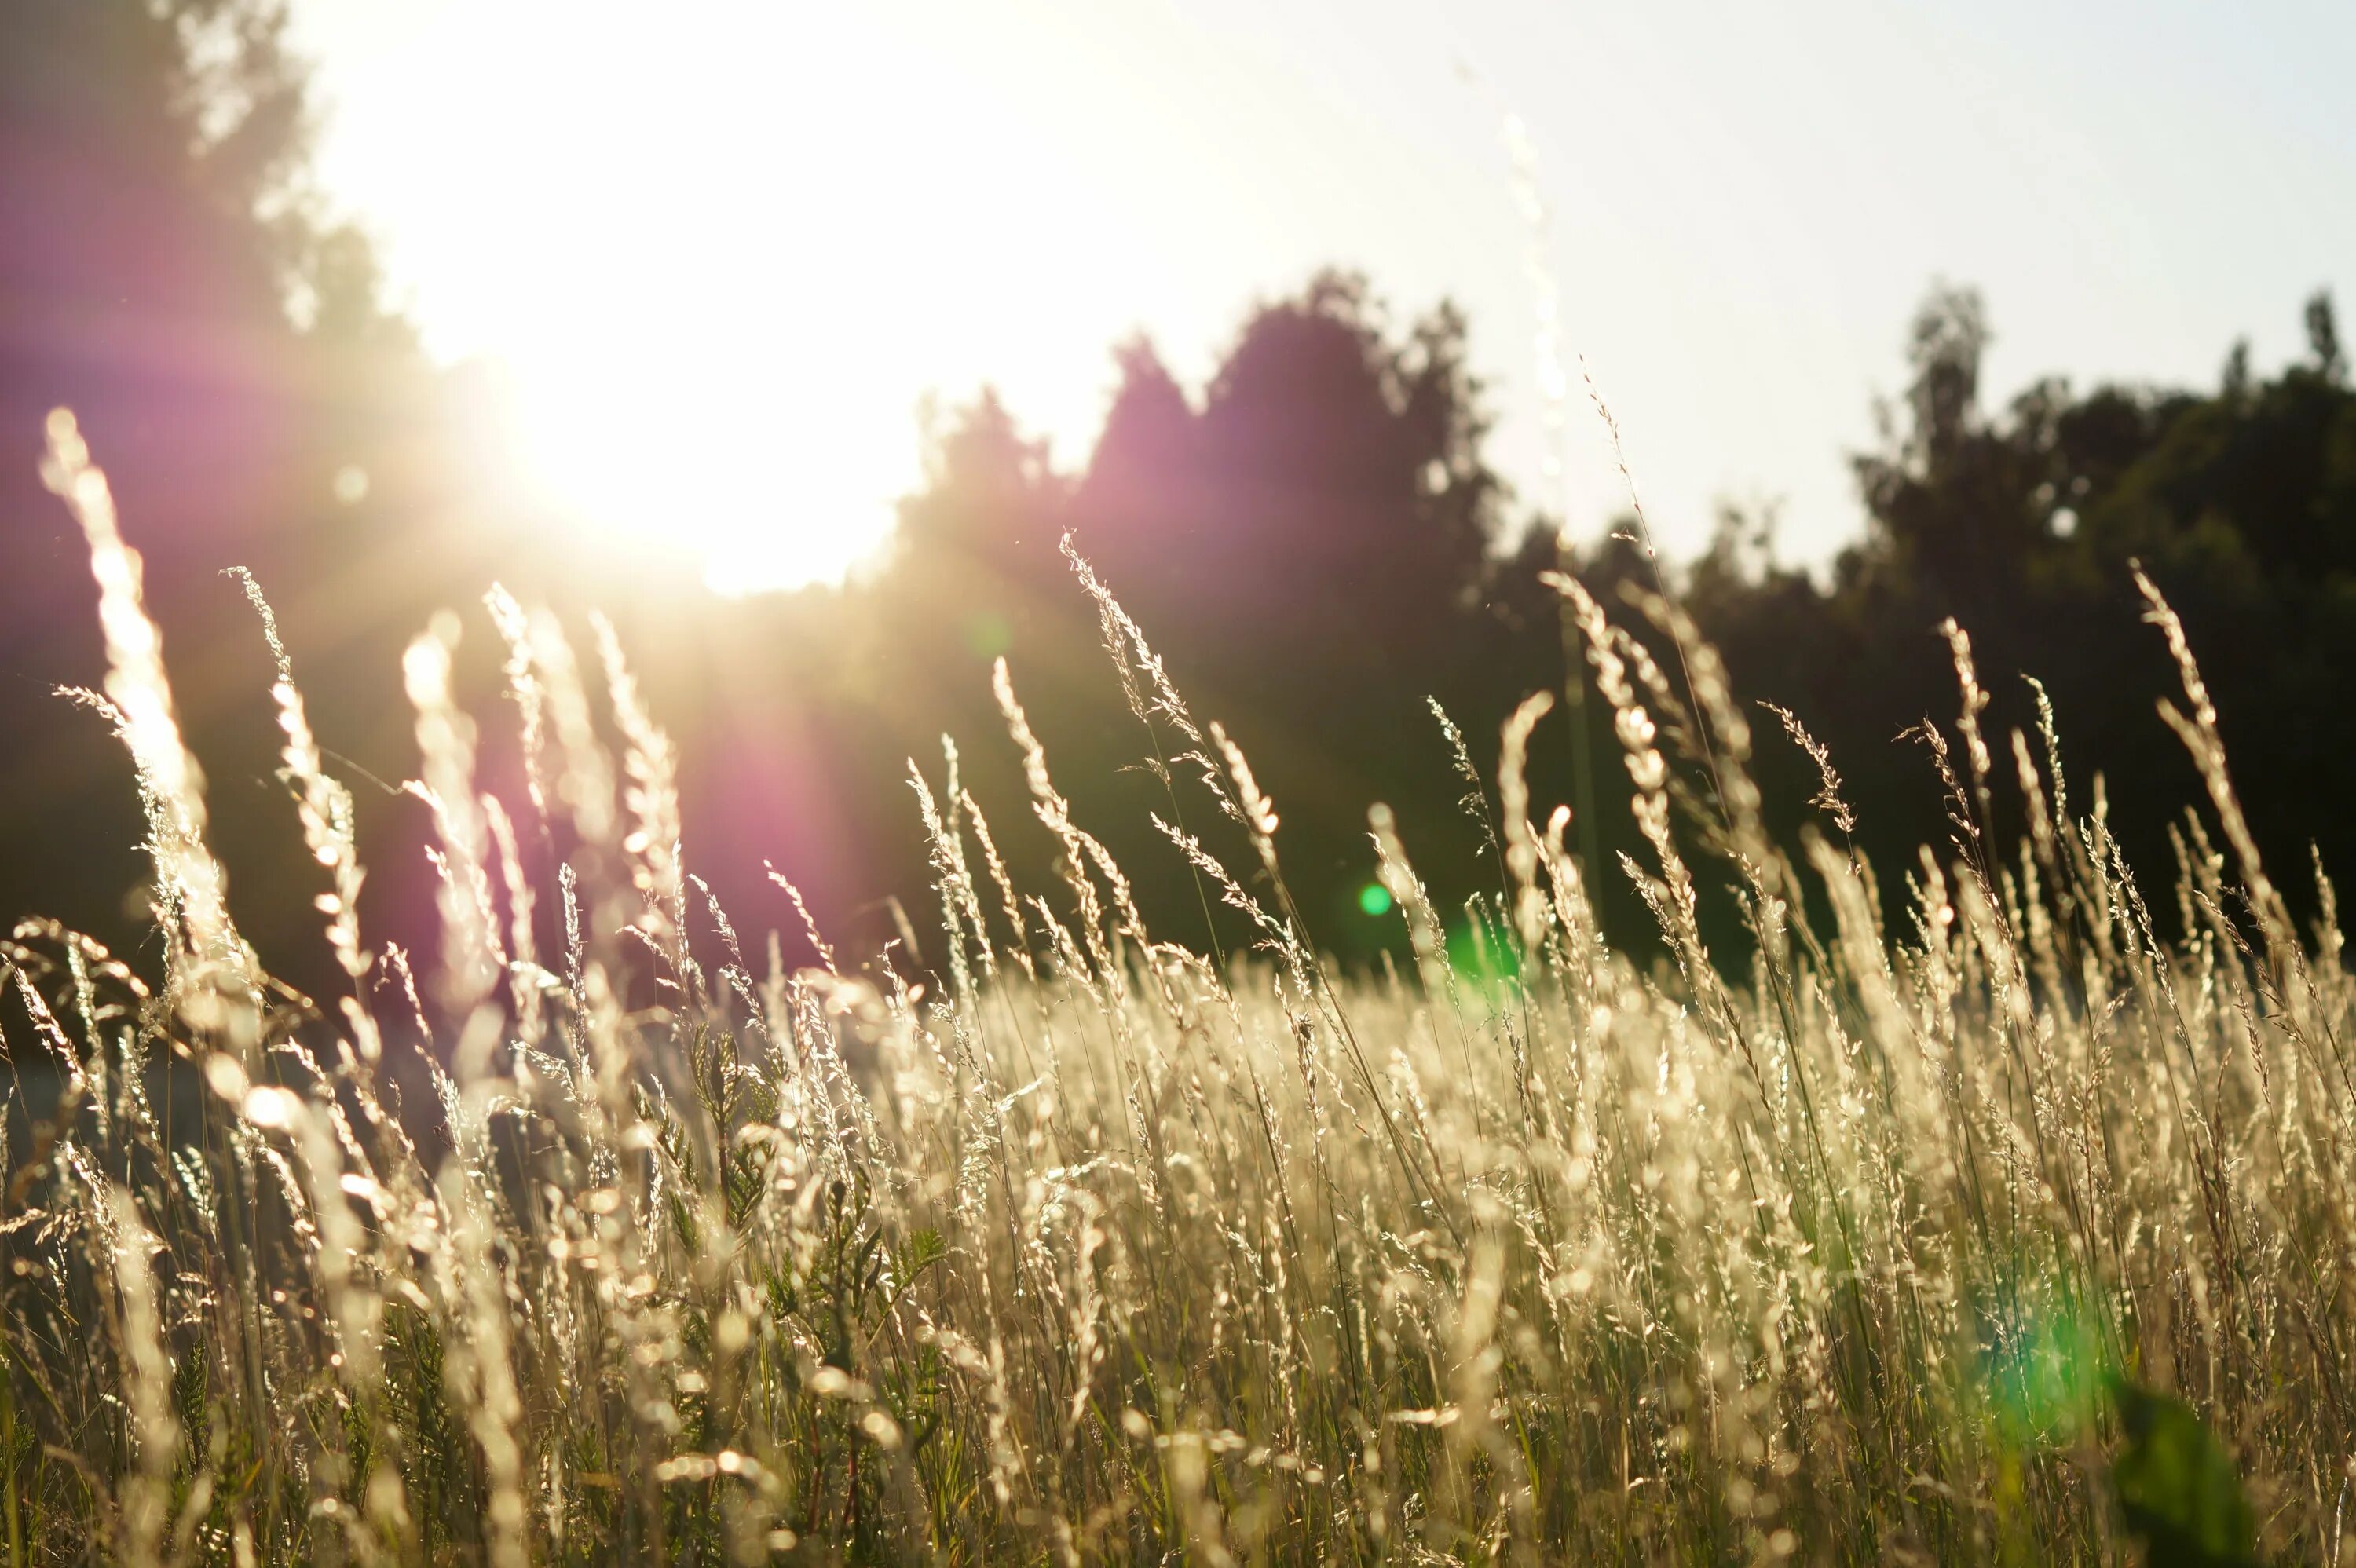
1313, 541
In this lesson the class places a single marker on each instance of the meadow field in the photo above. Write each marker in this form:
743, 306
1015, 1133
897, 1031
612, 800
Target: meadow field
1992, 1208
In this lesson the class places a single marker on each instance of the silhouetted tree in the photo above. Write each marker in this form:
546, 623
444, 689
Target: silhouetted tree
2241, 505
1313, 540
2323, 337
1307, 548
169, 275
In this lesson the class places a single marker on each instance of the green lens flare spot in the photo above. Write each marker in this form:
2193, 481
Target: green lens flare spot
1375, 899
1477, 960
2043, 1378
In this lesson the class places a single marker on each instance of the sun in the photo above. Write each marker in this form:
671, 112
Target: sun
719, 319
738, 462
717, 302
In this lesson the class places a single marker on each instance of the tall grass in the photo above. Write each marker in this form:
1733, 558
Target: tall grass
1889, 1241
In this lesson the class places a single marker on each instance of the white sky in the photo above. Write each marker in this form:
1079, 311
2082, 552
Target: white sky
725, 248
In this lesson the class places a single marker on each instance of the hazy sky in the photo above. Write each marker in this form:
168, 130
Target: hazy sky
725, 248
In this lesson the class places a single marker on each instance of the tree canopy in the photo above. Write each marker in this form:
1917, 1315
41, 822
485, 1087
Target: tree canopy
1313, 540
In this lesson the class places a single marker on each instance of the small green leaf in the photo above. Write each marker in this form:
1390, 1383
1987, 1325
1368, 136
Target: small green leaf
2176, 1486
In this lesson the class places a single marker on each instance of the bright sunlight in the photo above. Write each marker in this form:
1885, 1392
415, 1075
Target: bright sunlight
813, 226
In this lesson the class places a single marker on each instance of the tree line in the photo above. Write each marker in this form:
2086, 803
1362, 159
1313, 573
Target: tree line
1314, 542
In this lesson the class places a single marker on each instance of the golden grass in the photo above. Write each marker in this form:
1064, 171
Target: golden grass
1109, 1250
